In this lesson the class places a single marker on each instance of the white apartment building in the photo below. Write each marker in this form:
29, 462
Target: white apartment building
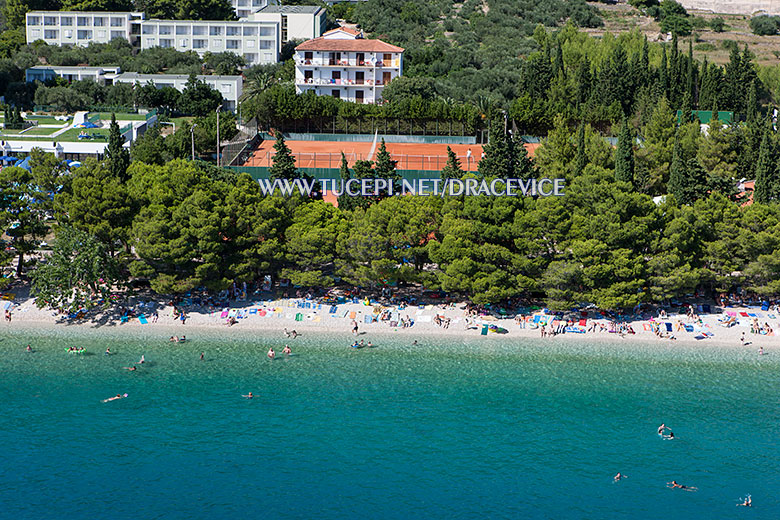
749, 7
81, 28
43, 73
245, 8
230, 87
257, 42
296, 22
354, 69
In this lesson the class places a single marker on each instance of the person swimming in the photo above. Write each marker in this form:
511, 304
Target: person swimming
355, 344
141, 361
661, 429
133, 368
760, 351
29, 348
117, 396
748, 502
669, 436
202, 356
362, 343
369, 345
271, 353
108, 351
287, 351
248, 396
674, 485
620, 476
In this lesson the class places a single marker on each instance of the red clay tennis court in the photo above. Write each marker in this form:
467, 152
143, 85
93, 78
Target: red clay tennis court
408, 156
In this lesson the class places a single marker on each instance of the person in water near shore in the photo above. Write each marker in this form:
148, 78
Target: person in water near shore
287, 351
201, 356
620, 476
133, 368
141, 361
760, 351
248, 396
271, 353
674, 485
108, 351
29, 348
661, 429
355, 344
414, 343
369, 345
747, 503
117, 396
174, 339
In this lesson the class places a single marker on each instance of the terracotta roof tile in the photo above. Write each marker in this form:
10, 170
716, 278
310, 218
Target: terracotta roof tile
359, 45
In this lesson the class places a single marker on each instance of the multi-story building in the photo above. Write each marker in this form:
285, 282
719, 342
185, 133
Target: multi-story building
350, 68
244, 8
81, 28
296, 22
258, 42
748, 7
230, 87
103, 75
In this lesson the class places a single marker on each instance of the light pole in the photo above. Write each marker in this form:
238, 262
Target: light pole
192, 137
219, 108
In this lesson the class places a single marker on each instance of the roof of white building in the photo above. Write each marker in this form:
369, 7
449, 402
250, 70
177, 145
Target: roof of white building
151, 77
74, 68
356, 45
291, 9
354, 33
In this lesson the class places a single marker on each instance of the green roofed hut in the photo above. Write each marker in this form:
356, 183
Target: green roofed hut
705, 116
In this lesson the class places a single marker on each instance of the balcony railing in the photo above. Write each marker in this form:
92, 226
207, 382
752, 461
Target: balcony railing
343, 82
328, 62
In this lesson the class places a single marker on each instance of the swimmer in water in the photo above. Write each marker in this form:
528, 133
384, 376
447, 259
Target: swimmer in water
108, 351
271, 353
369, 345
620, 476
355, 344
117, 396
29, 348
760, 351
248, 396
287, 351
141, 361
747, 503
131, 368
661, 429
669, 436
674, 485
201, 356
362, 343
414, 343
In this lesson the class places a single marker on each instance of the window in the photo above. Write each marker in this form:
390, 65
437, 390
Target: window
82, 21
117, 34
257, 3
166, 29
227, 88
101, 34
36, 33
149, 29
68, 33
99, 21
199, 44
50, 34
250, 31
308, 55
117, 22
266, 44
335, 93
215, 31
217, 43
84, 35
49, 20
243, 3
150, 42
250, 57
166, 42
34, 20
233, 31
266, 31
66, 21
199, 30
233, 44
250, 44
183, 42
182, 30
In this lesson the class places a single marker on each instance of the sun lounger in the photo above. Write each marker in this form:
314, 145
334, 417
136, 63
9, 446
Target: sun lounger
143, 319
333, 309
668, 327
299, 316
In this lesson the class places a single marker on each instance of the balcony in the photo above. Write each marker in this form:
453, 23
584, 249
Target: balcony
327, 62
340, 82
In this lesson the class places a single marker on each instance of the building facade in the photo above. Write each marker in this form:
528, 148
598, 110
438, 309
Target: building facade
231, 87
353, 69
296, 22
257, 42
44, 73
81, 28
245, 8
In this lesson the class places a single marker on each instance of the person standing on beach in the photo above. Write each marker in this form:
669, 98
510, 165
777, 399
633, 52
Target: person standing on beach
354, 327
742, 338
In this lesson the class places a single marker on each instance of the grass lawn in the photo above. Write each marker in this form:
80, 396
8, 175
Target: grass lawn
46, 120
73, 135
41, 131
106, 116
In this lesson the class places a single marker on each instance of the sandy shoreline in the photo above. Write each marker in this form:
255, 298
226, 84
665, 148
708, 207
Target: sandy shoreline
281, 314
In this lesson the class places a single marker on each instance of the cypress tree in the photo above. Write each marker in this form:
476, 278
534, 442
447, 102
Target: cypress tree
690, 73
714, 109
522, 165
751, 108
644, 62
452, 169
385, 167
677, 172
766, 187
117, 156
663, 74
558, 61
581, 159
345, 202
283, 166
583, 80
624, 155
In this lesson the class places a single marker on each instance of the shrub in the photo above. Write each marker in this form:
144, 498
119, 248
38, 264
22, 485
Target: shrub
717, 24
765, 25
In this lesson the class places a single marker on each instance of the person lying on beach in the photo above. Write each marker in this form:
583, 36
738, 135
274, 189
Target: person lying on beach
287, 351
248, 396
117, 396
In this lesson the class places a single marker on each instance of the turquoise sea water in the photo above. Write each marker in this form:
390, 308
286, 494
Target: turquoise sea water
478, 428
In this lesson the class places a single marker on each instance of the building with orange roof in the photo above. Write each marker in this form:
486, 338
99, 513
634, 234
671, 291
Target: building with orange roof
343, 64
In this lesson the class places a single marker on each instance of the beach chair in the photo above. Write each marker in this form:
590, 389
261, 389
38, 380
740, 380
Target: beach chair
333, 309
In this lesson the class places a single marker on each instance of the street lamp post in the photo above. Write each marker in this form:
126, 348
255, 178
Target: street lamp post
192, 137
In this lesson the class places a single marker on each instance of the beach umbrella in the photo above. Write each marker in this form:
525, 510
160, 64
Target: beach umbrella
5, 158
89, 124
74, 164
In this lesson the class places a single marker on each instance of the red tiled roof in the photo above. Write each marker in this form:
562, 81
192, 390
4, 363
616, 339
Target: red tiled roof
348, 30
359, 45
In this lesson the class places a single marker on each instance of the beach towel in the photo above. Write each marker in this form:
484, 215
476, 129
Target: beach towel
123, 319
142, 319
367, 319
252, 311
575, 329
744, 314
233, 313
668, 327
536, 319
317, 319
731, 313
700, 336
647, 326
484, 330
583, 322
352, 315
688, 328
7, 305
299, 316
752, 314
333, 309
224, 313
765, 307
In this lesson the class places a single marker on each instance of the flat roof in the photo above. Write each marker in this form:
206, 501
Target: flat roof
237, 22
72, 67
136, 75
128, 13
291, 9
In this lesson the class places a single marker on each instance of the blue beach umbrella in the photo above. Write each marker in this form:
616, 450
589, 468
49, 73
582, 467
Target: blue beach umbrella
6, 158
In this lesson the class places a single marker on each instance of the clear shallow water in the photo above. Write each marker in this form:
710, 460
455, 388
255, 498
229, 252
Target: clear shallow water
489, 428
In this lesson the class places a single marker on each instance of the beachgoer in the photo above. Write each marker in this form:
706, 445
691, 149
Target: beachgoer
271, 353
355, 344
674, 485
742, 338
669, 436
117, 396
354, 327
293, 333
286, 333
287, 351
369, 345
620, 476
362, 343
414, 343
248, 396
182, 339
133, 368
760, 351
747, 503
141, 361
174, 339
108, 351
661, 429
29, 348
201, 356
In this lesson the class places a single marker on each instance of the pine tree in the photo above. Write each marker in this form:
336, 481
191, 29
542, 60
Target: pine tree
345, 202
677, 171
751, 108
283, 166
624, 155
581, 159
452, 169
663, 74
766, 187
558, 61
117, 156
385, 167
